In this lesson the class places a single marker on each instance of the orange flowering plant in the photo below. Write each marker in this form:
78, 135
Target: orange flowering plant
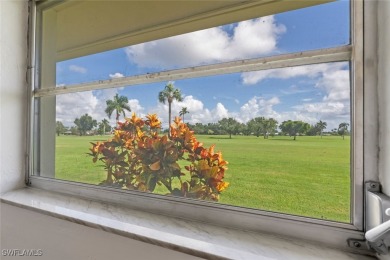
139, 158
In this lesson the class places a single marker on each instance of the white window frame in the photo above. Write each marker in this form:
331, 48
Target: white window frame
327, 232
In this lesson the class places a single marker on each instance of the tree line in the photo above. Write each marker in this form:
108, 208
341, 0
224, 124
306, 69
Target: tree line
265, 127
259, 126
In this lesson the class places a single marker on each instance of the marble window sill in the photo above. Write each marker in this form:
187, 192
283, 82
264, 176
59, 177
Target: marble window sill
194, 238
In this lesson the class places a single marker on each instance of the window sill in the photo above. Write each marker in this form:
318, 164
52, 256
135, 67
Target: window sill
194, 238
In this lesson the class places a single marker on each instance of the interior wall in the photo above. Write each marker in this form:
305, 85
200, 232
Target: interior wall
13, 89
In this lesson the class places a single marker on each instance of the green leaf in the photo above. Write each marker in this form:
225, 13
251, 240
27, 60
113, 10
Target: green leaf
123, 164
175, 166
166, 183
152, 183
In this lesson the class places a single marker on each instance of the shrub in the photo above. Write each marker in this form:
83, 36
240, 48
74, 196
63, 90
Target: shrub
139, 158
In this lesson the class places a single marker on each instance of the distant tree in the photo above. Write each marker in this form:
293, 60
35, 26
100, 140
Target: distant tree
229, 125
198, 128
104, 127
312, 131
74, 130
118, 104
256, 125
60, 128
213, 128
262, 126
244, 129
343, 129
320, 126
169, 94
183, 111
85, 123
270, 127
293, 128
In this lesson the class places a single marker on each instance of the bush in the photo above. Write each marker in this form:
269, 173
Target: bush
138, 158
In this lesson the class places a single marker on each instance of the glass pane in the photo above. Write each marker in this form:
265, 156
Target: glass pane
317, 27
284, 132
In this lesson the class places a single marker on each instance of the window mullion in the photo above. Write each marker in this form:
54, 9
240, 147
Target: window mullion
281, 61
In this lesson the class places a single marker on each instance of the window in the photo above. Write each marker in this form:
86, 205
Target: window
276, 92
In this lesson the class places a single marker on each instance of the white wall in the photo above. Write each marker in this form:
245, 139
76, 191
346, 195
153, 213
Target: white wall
13, 64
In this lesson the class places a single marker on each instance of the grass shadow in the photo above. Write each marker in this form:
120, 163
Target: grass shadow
284, 139
100, 140
216, 137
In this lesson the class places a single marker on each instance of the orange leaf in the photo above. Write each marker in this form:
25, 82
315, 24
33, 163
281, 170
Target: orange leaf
222, 185
211, 149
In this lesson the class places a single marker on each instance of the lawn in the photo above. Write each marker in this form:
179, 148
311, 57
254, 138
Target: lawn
307, 177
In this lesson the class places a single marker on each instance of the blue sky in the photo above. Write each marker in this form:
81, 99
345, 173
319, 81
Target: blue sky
309, 93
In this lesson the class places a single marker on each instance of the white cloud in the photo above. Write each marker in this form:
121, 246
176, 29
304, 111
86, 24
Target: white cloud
261, 107
191, 103
250, 39
294, 89
258, 106
336, 84
220, 112
257, 36
331, 112
197, 112
296, 116
325, 108
330, 78
116, 75
77, 69
311, 71
209, 116
136, 107
73, 105
229, 98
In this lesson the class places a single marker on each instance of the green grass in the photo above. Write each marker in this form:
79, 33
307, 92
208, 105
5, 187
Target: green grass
307, 177
72, 161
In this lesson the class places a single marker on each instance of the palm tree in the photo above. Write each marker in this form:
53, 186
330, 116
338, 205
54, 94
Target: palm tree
183, 111
118, 104
343, 129
169, 94
105, 123
321, 126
